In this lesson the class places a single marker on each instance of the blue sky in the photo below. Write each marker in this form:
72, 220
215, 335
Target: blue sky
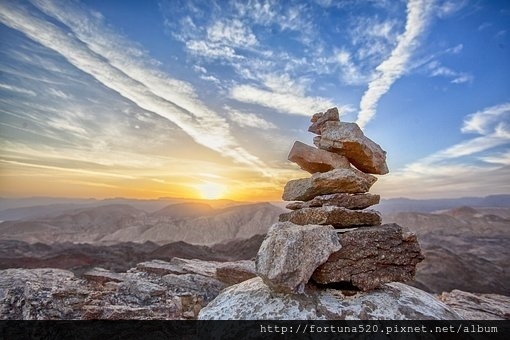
166, 98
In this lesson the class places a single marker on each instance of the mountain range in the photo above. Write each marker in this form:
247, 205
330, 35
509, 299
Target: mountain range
196, 223
466, 247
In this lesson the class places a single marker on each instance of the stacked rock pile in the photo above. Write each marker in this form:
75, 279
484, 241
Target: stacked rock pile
330, 236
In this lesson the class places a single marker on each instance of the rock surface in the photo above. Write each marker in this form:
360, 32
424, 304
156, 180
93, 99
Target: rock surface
254, 300
55, 294
349, 201
338, 217
473, 306
372, 256
315, 160
290, 253
348, 140
331, 182
236, 272
102, 275
320, 118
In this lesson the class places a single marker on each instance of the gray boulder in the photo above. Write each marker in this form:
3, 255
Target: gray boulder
290, 253
254, 300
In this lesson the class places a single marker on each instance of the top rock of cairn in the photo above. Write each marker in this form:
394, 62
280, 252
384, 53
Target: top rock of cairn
348, 140
330, 236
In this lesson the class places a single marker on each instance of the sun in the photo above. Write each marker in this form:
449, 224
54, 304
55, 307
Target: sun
211, 191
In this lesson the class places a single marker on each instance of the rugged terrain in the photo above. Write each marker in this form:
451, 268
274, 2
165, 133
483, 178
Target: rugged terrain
465, 248
180, 289
196, 223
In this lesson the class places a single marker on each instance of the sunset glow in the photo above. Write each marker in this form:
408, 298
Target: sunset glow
149, 99
211, 191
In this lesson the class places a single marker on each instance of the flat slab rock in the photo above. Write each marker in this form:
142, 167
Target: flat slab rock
348, 140
338, 217
349, 201
473, 306
290, 253
254, 300
372, 256
102, 275
335, 181
180, 266
236, 272
314, 160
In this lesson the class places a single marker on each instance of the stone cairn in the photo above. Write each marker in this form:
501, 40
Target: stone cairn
330, 236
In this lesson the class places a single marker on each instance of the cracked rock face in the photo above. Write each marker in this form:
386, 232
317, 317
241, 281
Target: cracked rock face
290, 253
154, 290
331, 182
338, 217
372, 256
349, 201
254, 300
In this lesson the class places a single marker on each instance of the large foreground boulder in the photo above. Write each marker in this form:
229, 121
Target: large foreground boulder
371, 256
290, 253
254, 300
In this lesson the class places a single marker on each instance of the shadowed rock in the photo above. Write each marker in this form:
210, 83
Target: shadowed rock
102, 275
236, 272
254, 300
331, 182
372, 256
320, 118
349, 201
338, 217
315, 160
348, 140
290, 253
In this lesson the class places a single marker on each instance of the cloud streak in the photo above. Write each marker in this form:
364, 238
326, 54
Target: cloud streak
395, 66
454, 170
283, 102
118, 65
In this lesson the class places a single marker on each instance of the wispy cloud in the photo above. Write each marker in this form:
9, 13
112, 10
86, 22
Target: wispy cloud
395, 66
283, 102
246, 119
470, 166
485, 121
437, 70
122, 67
449, 7
17, 89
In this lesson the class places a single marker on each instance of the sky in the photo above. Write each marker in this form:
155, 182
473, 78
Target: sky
204, 99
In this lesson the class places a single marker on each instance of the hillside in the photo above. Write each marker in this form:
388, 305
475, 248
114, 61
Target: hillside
195, 223
465, 248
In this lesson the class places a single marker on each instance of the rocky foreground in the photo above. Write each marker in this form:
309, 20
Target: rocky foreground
180, 289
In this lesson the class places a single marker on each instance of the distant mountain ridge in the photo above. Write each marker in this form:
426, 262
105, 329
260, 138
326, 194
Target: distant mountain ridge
393, 205
192, 222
